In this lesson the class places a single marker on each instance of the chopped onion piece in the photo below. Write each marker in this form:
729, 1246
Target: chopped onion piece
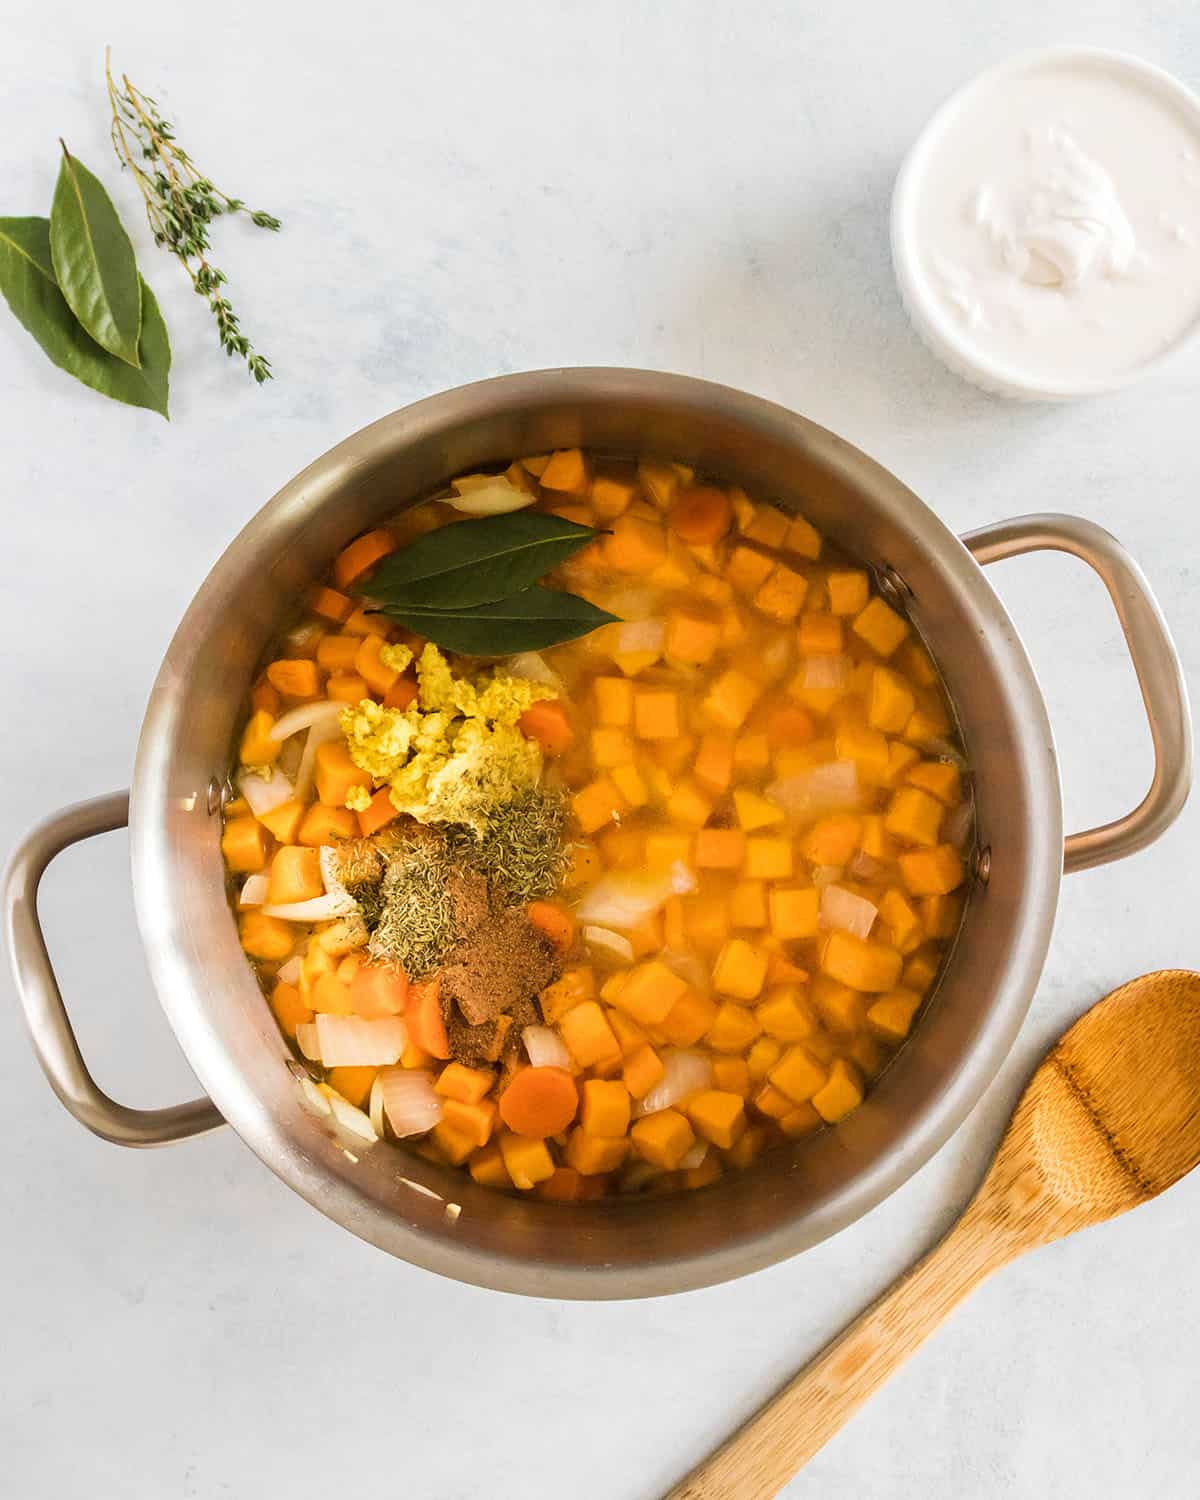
351, 1042
409, 1100
826, 788
306, 1040
824, 875
545, 1047
641, 635
611, 942
351, 1118
957, 827
623, 899
318, 909
314, 1096
694, 1156
263, 794
304, 716
375, 1105
254, 889
842, 908
533, 667
684, 1073
826, 671
320, 734
688, 967
487, 495
683, 881
290, 971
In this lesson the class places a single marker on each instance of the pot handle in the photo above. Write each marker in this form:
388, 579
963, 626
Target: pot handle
1155, 660
46, 1015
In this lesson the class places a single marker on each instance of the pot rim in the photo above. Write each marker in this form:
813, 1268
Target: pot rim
175, 973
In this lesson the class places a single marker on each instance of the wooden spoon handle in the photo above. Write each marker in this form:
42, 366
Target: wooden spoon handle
761, 1456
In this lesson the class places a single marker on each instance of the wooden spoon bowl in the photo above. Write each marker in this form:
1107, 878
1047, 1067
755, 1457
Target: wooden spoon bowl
1110, 1119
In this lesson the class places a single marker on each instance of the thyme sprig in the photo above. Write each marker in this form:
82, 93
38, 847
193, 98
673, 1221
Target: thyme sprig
181, 204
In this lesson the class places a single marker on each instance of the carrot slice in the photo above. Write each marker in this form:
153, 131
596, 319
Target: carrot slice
423, 1016
701, 516
554, 922
377, 991
361, 554
401, 693
546, 722
539, 1101
329, 604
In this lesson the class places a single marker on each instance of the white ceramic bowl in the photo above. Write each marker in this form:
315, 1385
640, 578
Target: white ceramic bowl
944, 335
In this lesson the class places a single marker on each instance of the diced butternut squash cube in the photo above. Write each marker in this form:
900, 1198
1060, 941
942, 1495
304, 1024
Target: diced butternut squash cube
732, 1076
691, 637
295, 876
628, 1033
932, 872
290, 1010
784, 1014
733, 1028
802, 1120
635, 545
762, 1057
688, 804
631, 784
747, 1147
650, 992
832, 840
795, 911
748, 904
688, 1019
781, 595
455, 1144
660, 480
849, 590
664, 848
875, 839
882, 628
613, 697
767, 526
265, 937
337, 775
346, 687
902, 920
705, 921
751, 754
612, 497
730, 699
322, 824
257, 747
868, 749
571, 988
940, 778
526, 1160
913, 816
747, 569
567, 471
891, 1016
646, 936
929, 720
768, 857
842, 1093
605, 1107
900, 758
663, 1138
590, 1153
819, 634
717, 1117
718, 848
891, 701
588, 1035
370, 666
656, 714
611, 747
940, 915
244, 843
713, 768
294, 679
596, 804
673, 755
467, 1085
473, 1121
643, 1068
920, 970
803, 538
842, 1009
740, 970
487, 1168
797, 1075
861, 964
754, 811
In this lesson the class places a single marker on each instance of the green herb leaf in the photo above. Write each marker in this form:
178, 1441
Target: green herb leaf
528, 621
477, 562
27, 281
94, 263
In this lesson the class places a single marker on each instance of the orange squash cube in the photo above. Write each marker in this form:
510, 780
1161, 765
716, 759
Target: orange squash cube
784, 1014
244, 844
797, 1075
819, 634
291, 1011
795, 912
832, 840
751, 754
688, 1019
643, 1068
257, 747
295, 876
567, 472
689, 805
337, 775
890, 704
768, 858
526, 1160
614, 701
932, 872
842, 1092
719, 848
656, 714
713, 767
635, 545
939, 778
882, 628
849, 591
803, 538
717, 1117
268, 938
748, 904
730, 699
732, 1076
589, 1037
781, 595
913, 816
860, 964
733, 1028
891, 1016
740, 970
322, 824
691, 637
605, 1107
590, 1154
663, 1138
650, 991
594, 805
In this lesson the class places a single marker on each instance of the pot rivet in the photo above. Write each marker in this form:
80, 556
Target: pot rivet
219, 793
983, 864
892, 586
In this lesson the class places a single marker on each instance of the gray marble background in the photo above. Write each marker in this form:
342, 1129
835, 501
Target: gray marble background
468, 189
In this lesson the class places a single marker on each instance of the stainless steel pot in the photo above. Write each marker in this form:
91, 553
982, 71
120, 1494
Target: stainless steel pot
627, 1248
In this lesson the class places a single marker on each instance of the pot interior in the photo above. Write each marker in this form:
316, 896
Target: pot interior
618, 1247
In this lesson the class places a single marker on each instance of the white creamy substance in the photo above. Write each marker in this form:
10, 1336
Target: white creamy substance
1058, 221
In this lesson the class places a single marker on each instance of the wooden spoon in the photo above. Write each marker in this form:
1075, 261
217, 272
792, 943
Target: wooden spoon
1109, 1120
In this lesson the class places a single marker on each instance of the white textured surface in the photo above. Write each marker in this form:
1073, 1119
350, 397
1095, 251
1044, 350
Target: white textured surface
469, 189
